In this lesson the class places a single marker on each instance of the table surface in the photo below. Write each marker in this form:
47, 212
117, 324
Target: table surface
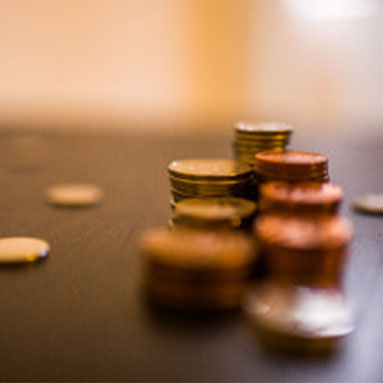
79, 315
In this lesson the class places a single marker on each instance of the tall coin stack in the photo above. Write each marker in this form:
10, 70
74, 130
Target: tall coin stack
291, 166
250, 139
203, 178
302, 307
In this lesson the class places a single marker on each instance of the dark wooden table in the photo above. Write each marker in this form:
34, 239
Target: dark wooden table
80, 316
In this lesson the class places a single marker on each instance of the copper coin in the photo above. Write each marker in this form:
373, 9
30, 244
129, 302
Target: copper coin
300, 197
304, 233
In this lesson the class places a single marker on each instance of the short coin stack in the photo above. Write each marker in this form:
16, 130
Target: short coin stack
291, 166
299, 319
213, 213
303, 254
202, 178
308, 198
191, 269
251, 138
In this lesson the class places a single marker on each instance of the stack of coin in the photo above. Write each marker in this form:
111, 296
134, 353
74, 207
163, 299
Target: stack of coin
303, 305
213, 213
302, 250
202, 178
300, 319
291, 166
300, 198
192, 269
252, 138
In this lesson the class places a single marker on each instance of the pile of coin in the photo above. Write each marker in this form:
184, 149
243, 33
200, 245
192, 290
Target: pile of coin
300, 198
291, 166
213, 214
191, 269
252, 138
303, 254
202, 178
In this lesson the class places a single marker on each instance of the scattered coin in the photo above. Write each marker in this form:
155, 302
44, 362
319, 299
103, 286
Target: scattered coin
369, 203
22, 249
74, 194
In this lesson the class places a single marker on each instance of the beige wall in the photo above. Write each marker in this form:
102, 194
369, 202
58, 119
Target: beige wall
141, 63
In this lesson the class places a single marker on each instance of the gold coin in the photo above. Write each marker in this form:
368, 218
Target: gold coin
233, 210
369, 203
266, 128
209, 168
22, 249
74, 194
197, 250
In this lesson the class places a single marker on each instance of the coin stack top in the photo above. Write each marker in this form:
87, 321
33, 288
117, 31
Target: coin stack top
214, 213
292, 166
209, 177
300, 198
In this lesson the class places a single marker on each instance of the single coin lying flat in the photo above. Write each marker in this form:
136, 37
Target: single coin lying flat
74, 194
369, 203
22, 249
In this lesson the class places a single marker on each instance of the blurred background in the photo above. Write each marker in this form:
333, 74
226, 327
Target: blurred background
189, 64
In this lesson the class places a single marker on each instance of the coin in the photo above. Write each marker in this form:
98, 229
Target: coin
204, 178
302, 249
304, 233
196, 269
229, 213
262, 128
252, 138
369, 203
300, 318
197, 250
74, 194
22, 249
208, 169
300, 198
291, 166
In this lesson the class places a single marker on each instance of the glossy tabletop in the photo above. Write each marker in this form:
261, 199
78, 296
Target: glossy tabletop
80, 316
